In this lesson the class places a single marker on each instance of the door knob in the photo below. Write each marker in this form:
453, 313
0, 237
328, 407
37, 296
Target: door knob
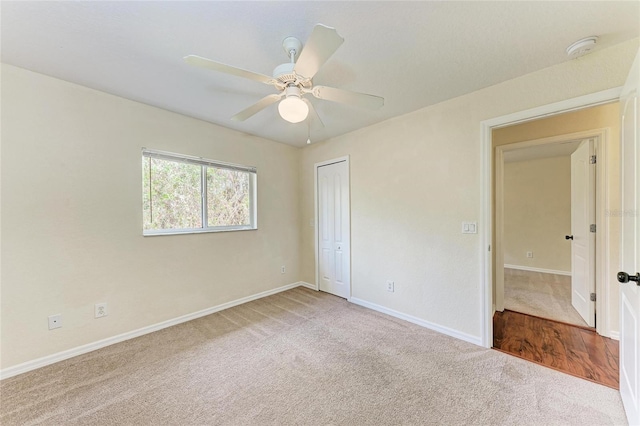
623, 277
568, 237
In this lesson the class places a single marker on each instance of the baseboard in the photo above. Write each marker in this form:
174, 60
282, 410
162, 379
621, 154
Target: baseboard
307, 285
532, 269
426, 324
70, 353
615, 335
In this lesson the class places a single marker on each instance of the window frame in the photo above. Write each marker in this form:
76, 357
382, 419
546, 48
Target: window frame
204, 164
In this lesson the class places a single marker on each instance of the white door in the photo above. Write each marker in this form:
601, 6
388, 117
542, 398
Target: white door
630, 247
334, 252
583, 246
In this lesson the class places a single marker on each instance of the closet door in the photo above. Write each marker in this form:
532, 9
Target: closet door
334, 251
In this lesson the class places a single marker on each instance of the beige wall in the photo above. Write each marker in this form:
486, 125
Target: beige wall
415, 178
72, 218
537, 213
601, 117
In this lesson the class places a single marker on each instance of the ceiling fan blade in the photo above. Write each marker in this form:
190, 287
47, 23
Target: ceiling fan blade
199, 61
314, 119
257, 107
322, 43
347, 97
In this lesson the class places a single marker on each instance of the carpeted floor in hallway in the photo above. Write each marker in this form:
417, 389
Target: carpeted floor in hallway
543, 295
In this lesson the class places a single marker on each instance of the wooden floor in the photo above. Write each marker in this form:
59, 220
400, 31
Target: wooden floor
571, 349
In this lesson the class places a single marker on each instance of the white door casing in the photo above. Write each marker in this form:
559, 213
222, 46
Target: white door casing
333, 212
583, 245
630, 246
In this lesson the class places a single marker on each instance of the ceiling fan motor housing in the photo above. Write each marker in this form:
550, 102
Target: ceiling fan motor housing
285, 76
284, 71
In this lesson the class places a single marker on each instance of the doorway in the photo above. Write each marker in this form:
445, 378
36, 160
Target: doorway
607, 243
575, 260
601, 123
545, 218
333, 228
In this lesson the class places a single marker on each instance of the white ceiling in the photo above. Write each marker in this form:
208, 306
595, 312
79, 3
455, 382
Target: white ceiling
413, 54
562, 149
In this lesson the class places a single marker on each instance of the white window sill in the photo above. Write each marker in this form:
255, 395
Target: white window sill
195, 231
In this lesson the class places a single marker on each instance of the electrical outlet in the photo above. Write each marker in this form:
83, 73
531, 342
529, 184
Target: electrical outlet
101, 310
390, 286
55, 321
530, 254
283, 269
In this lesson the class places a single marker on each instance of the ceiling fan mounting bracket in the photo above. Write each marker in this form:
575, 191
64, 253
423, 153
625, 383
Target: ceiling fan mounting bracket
292, 44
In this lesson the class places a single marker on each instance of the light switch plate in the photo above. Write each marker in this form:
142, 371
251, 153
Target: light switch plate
469, 227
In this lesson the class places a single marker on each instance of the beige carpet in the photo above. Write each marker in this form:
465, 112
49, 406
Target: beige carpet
542, 295
304, 358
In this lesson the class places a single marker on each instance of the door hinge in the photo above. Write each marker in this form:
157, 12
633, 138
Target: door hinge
489, 247
593, 297
593, 159
592, 227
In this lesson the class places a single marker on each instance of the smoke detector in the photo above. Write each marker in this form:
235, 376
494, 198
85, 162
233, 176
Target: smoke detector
582, 47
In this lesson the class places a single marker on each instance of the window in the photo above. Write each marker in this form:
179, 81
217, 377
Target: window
183, 194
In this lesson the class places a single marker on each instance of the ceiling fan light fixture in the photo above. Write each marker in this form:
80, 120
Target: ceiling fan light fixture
292, 108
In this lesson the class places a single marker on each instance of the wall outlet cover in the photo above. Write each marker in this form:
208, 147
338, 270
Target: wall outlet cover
55, 321
101, 310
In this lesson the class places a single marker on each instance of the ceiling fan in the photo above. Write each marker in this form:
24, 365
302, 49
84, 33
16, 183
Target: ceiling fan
293, 79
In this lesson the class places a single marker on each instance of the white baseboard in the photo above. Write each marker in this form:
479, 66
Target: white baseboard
532, 269
308, 285
426, 324
615, 335
70, 353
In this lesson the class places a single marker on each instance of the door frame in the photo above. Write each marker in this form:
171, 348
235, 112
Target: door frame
629, 292
316, 230
602, 267
486, 214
